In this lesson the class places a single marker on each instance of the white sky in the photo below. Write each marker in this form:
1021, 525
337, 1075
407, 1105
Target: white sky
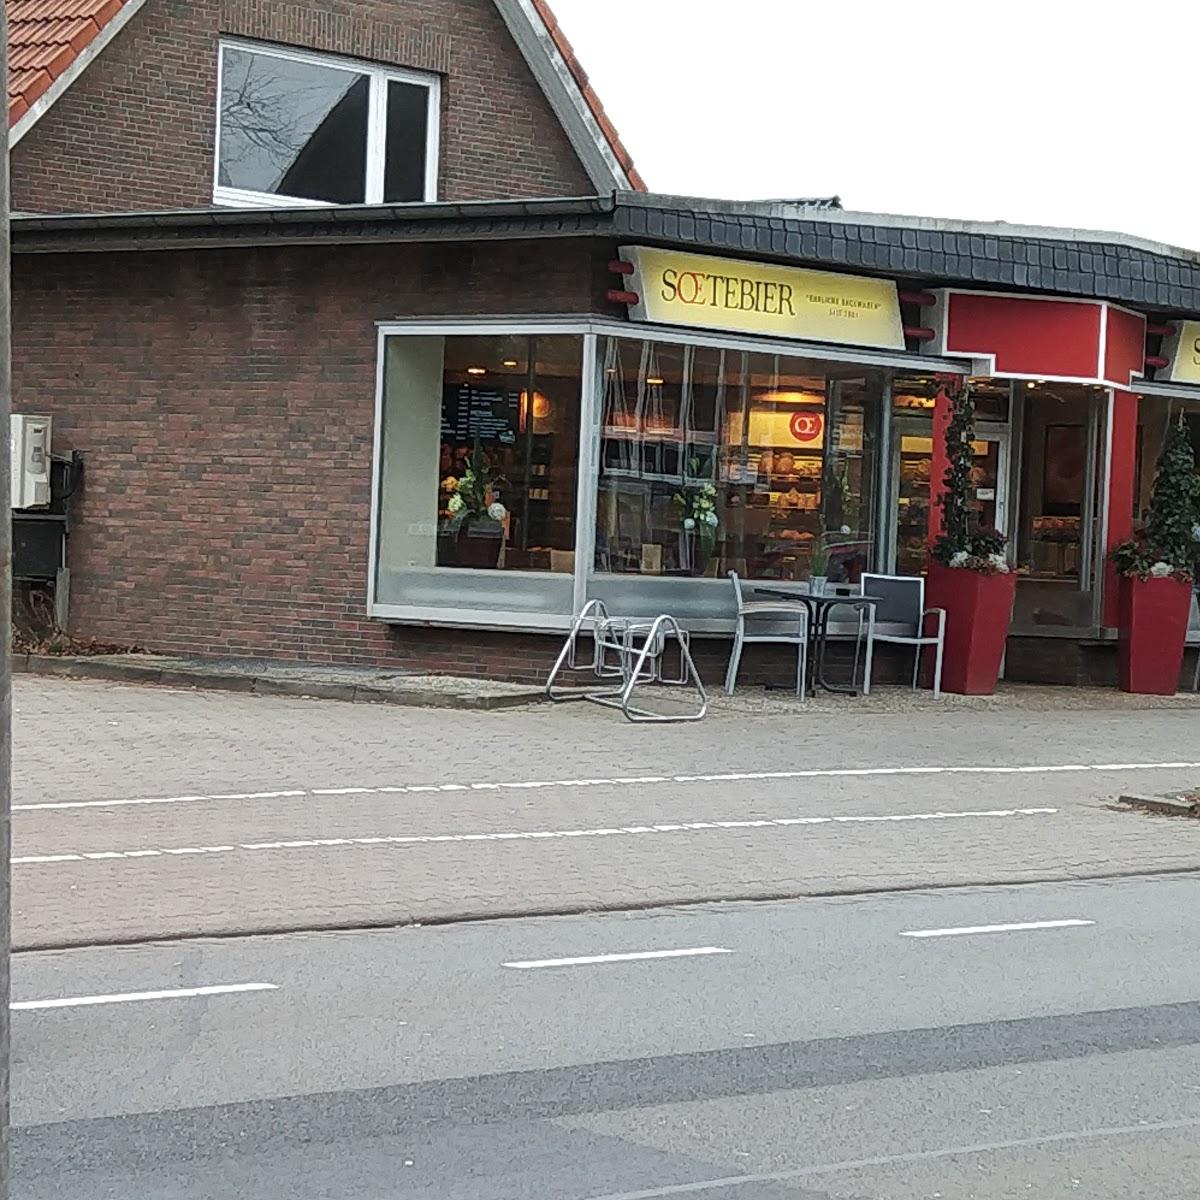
1051, 112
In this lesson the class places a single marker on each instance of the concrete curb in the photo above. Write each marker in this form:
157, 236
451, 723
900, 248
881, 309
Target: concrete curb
132, 671
418, 917
1165, 806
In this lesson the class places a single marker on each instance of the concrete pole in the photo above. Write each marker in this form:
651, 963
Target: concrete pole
5, 621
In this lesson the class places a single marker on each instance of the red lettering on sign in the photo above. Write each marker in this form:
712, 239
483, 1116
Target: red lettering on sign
806, 427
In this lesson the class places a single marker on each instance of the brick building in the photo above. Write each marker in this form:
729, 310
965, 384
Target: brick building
282, 271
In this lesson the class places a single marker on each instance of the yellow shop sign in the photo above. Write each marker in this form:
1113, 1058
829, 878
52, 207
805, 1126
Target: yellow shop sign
1182, 350
749, 297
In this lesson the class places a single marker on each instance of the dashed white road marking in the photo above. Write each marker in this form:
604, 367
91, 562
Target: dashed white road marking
219, 989
618, 781
634, 956
1014, 927
525, 835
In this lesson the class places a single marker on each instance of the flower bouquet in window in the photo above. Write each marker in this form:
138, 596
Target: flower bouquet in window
698, 525
970, 577
474, 511
1157, 571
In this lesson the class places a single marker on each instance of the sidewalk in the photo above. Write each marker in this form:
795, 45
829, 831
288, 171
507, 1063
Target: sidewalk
156, 812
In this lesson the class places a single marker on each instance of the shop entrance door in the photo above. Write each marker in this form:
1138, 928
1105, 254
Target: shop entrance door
913, 487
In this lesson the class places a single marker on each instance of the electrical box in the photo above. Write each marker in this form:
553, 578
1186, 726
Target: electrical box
30, 461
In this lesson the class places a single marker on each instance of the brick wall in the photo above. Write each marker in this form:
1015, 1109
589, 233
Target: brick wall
223, 401
136, 130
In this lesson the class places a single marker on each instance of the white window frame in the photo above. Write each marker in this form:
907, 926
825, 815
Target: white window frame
379, 78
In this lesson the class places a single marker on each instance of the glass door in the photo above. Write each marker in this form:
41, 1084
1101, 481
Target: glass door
914, 486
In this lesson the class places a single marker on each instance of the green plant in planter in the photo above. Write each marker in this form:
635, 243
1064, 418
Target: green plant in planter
962, 543
1169, 543
819, 565
475, 494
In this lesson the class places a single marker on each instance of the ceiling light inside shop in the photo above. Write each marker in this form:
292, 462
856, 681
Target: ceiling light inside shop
509, 362
654, 381
789, 398
477, 370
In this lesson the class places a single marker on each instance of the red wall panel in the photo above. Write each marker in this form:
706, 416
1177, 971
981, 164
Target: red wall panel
1120, 491
1037, 338
1125, 349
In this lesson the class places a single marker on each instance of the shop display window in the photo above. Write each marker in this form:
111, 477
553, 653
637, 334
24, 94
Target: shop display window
717, 460
478, 472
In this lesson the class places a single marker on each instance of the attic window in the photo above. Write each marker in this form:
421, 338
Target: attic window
296, 128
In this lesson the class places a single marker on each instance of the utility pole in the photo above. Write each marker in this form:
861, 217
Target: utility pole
5, 622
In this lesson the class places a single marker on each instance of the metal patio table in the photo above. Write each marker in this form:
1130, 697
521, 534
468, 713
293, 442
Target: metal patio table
819, 608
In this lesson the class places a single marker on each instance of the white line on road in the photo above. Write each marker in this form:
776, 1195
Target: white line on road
625, 781
591, 959
220, 989
913, 1156
520, 835
1015, 927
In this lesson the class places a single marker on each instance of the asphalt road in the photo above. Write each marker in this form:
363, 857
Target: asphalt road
866, 1048
146, 813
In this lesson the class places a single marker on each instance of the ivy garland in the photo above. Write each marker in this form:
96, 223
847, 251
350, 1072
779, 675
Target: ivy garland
962, 542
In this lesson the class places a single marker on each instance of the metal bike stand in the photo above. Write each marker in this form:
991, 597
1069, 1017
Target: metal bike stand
631, 650
592, 621
647, 668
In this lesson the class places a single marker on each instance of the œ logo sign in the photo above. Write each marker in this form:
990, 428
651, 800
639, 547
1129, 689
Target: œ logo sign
1182, 350
747, 297
806, 427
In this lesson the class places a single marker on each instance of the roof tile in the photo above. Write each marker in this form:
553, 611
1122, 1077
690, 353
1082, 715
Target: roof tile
44, 39
569, 57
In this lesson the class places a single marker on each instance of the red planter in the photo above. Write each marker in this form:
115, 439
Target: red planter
1153, 622
978, 611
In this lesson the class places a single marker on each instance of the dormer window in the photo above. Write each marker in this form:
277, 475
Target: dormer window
296, 128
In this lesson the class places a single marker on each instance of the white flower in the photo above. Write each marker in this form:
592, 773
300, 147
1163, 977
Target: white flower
497, 511
845, 529
1160, 570
959, 559
688, 523
455, 503
709, 490
1196, 532
712, 518
999, 562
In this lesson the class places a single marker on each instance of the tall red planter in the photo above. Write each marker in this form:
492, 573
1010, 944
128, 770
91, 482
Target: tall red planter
1153, 621
978, 611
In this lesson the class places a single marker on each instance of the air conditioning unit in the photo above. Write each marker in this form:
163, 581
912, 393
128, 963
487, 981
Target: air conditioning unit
30, 461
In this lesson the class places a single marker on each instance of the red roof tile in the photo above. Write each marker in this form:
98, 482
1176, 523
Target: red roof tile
565, 48
44, 39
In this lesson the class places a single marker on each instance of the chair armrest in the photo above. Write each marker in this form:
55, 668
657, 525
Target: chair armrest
940, 613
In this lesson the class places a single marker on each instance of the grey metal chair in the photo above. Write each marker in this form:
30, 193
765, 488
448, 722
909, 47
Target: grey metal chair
899, 617
782, 621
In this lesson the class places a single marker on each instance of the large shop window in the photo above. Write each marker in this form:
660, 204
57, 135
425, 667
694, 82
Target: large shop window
716, 460
478, 473
302, 128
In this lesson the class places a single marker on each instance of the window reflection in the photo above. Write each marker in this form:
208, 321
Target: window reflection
292, 128
717, 460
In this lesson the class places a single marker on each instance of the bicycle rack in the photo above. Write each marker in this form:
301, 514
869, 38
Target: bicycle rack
639, 648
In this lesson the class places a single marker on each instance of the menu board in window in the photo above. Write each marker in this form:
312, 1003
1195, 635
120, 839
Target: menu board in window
470, 411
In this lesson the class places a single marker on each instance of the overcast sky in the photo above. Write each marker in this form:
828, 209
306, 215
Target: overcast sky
1051, 112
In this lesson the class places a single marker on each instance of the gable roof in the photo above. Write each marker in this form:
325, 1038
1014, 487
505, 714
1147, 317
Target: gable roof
51, 43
